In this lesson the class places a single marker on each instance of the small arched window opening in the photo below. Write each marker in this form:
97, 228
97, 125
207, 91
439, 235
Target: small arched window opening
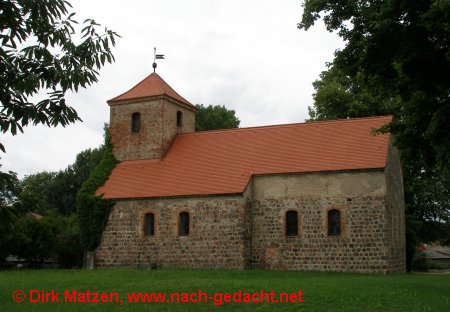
334, 222
291, 223
183, 224
136, 122
149, 224
179, 119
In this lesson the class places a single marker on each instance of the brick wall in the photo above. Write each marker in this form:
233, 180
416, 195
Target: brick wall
158, 128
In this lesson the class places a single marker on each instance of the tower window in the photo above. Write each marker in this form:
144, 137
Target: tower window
183, 224
136, 122
179, 119
149, 224
334, 222
291, 223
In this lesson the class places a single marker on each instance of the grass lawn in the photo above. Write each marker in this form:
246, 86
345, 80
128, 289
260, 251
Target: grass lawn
321, 291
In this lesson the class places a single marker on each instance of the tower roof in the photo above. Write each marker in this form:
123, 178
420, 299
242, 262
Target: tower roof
153, 85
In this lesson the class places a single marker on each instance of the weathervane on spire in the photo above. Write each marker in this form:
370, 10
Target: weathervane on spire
156, 57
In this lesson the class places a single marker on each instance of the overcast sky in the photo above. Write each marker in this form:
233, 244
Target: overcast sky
245, 54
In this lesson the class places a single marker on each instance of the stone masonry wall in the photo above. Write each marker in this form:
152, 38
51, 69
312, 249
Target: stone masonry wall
158, 128
216, 238
363, 245
248, 231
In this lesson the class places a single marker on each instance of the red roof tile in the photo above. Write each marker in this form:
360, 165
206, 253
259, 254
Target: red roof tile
152, 85
223, 161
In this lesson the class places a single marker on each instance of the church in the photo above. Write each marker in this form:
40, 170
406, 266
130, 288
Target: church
315, 196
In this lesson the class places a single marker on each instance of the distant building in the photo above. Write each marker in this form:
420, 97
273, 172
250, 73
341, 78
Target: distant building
320, 196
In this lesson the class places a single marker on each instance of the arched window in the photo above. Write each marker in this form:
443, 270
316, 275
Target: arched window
183, 224
136, 122
179, 119
291, 223
149, 224
334, 222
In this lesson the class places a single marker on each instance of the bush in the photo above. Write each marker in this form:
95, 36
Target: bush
34, 240
420, 262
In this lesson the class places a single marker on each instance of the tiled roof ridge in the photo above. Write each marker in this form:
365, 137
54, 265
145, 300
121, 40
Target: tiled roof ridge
161, 81
306, 123
134, 87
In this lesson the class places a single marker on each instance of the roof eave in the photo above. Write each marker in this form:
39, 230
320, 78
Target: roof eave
186, 105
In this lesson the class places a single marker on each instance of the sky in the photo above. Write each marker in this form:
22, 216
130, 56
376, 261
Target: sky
248, 55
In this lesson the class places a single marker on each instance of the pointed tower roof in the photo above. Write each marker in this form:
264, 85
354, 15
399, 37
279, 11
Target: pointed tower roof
152, 86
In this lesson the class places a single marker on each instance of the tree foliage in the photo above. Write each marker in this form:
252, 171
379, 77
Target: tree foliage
43, 52
401, 50
9, 212
92, 210
214, 118
338, 96
427, 190
44, 192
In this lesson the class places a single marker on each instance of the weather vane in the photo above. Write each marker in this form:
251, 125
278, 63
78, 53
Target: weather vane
156, 57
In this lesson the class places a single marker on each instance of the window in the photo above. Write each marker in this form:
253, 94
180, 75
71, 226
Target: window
291, 223
183, 224
179, 119
136, 122
334, 222
149, 224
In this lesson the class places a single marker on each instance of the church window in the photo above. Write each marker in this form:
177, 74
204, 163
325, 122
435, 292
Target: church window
136, 122
183, 224
149, 224
291, 223
334, 222
179, 119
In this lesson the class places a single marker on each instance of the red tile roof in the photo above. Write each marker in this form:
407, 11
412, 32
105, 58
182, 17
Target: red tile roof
223, 161
153, 85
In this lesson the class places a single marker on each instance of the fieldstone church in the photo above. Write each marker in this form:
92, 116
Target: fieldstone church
322, 196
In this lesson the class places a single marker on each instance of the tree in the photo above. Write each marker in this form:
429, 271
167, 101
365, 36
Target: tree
36, 194
9, 212
338, 96
427, 191
401, 50
39, 54
44, 192
34, 240
214, 118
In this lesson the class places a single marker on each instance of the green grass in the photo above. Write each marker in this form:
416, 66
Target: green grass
321, 291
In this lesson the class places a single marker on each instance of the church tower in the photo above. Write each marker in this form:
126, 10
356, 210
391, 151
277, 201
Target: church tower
145, 120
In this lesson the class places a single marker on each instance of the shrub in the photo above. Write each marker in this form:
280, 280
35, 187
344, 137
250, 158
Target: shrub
420, 262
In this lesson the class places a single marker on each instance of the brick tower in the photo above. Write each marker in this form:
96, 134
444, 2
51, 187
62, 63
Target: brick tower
145, 120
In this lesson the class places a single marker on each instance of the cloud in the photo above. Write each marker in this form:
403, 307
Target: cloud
246, 55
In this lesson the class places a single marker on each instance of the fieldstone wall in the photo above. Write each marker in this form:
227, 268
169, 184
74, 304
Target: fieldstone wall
249, 230
158, 128
362, 246
216, 238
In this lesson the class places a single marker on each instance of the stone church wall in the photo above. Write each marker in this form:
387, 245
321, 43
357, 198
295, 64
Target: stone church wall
216, 238
158, 128
363, 245
248, 230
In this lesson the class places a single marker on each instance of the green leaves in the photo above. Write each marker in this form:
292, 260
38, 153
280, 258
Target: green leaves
214, 118
400, 50
92, 210
40, 56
